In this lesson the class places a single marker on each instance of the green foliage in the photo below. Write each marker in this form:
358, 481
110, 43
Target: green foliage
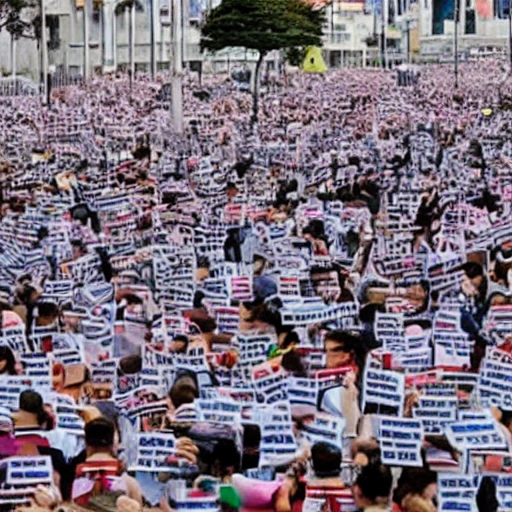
13, 16
295, 56
262, 25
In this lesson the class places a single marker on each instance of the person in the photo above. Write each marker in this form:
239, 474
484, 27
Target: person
31, 423
326, 463
343, 350
263, 285
179, 344
7, 361
99, 443
182, 395
231, 191
45, 496
416, 490
8, 445
372, 488
480, 294
314, 233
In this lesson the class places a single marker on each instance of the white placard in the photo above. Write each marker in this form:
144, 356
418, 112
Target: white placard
400, 441
475, 434
384, 388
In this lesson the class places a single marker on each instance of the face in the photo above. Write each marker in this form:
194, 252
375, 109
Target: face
326, 284
430, 492
178, 346
3, 365
258, 265
202, 274
359, 500
336, 355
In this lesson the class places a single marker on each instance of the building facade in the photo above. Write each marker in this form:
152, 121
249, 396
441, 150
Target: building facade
353, 34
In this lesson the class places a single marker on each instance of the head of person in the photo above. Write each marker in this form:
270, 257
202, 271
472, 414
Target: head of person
365, 452
32, 412
78, 247
99, 436
505, 419
47, 313
7, 361
341, 349
473, 275
130, 365
325, 281
184, 390
326, 459
179, 344
226, 459
258, 264
416, 482
231, 190
372, 486
203, 269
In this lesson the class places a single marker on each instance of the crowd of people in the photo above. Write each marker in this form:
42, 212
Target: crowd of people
310, 312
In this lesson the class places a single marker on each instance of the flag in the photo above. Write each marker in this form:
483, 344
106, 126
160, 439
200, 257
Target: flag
314, 62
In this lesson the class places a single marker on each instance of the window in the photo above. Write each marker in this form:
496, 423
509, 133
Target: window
340, 37
470, 26
53, 24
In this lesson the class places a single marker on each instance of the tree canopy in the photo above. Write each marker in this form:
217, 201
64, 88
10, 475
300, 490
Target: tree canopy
15, 16
262, 25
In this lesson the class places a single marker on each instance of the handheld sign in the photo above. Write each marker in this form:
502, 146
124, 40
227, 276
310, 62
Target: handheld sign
383, 390
475, 434
401, 440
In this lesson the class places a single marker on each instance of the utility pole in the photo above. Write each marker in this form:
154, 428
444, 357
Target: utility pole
177, 67
510, 33
382, 36
44, 52
87, 67
13, 56
456, 43
152, 18
132, 41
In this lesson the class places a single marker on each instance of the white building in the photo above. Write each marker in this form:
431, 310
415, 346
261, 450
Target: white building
347, 30
436, 22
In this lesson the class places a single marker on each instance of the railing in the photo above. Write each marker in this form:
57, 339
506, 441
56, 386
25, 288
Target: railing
18, 86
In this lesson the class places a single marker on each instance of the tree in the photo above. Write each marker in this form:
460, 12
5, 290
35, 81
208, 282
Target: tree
15, 17
264, 26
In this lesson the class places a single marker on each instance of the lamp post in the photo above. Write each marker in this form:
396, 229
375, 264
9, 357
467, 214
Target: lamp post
177, 66
152, 37
456, 43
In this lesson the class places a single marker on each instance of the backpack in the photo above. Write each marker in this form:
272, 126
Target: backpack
100, 498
